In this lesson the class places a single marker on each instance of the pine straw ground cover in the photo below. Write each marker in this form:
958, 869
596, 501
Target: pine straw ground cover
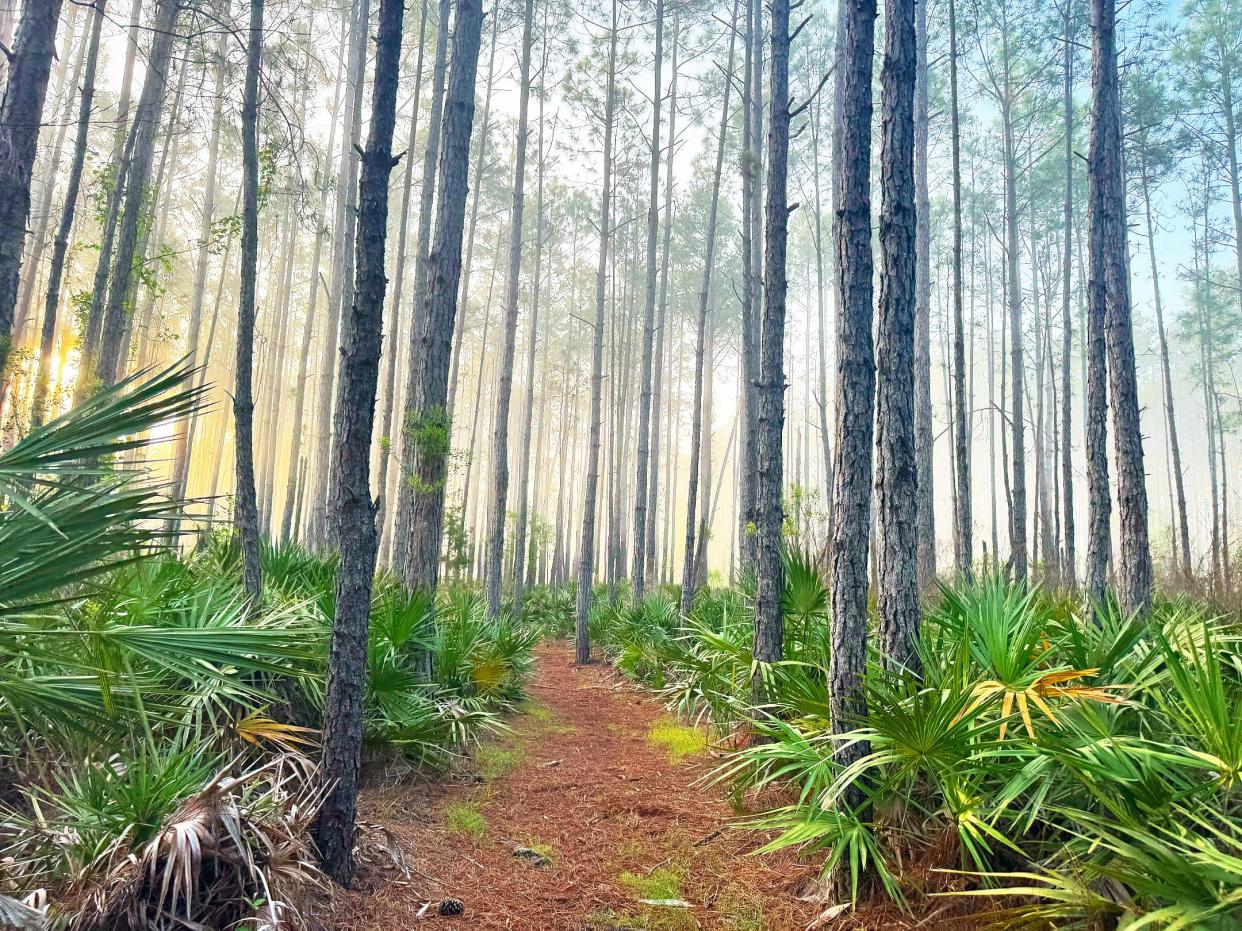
586, 780
604, 795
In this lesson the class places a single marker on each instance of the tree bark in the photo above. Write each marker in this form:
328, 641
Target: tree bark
21, 115
638, 571
340, 291
1110, 286
851, 160
769, 548
402, 543
923, 426
897, 472
47, 340
429, 426
493, 569
245, 507
586, 549
146, 120
964, 538
353, 512
1070, 576
393, 348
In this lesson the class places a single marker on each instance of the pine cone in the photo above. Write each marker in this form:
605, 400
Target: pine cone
451, 908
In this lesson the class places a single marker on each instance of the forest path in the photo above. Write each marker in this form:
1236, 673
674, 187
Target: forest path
595, 778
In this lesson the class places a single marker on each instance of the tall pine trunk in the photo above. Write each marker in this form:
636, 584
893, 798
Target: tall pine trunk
115, 321
769, 550
1110, 285
493, 569
923, 426
586, 549
964, 520
353, 512
638, 562
897, 472
1070, 570
60, 246
402, 543
851, 189
429, 428
21, 116
245, 507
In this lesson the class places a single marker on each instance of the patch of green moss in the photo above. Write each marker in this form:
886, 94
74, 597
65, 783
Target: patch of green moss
680, 741
465, 818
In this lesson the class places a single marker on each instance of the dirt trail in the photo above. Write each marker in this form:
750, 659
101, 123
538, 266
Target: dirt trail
581, 782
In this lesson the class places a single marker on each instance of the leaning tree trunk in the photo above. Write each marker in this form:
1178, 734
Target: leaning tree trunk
109, 365
21, 116
851, 163
897, 473
47, 340
769, 552
353, 513
245, 508
493, 568
586, 548
429, 428
1110, 282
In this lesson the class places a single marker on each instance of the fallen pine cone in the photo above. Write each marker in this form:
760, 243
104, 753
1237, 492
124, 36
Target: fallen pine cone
451, 908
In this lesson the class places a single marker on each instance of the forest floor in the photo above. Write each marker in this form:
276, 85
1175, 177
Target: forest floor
589, 814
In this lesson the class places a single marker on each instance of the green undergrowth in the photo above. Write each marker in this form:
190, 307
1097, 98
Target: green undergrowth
1077, 766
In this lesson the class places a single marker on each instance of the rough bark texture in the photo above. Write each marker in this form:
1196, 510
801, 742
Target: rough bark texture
494, 557
964, 519
138, 175
245, 507
923, 426
769, 550
21, 114
394, 347
1110, 283
429, 428
586, 548
353, 513
851, 161
897, 474
402, 544
47, 339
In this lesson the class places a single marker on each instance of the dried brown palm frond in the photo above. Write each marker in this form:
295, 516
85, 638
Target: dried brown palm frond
236, 850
